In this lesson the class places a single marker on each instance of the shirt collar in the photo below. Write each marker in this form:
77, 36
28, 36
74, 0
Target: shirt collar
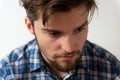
35, 58
86, 60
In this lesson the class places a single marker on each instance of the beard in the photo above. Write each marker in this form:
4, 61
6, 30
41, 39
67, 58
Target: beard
55, 63
65, 65
62, 65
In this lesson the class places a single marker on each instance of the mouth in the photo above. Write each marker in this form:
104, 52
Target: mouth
67, 57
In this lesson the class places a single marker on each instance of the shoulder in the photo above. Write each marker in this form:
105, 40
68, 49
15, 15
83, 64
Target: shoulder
18, 54
17, 57
104, 56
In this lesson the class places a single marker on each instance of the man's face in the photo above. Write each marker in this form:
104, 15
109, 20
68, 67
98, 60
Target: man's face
62, 38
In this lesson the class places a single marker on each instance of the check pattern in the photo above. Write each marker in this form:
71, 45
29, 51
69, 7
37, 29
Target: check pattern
26, 63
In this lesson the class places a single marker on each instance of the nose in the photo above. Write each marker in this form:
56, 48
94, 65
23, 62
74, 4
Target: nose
68, 44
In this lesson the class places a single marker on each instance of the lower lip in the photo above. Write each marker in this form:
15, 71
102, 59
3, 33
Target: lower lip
67, 57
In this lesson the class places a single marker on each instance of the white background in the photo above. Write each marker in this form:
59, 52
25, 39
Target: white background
103, 30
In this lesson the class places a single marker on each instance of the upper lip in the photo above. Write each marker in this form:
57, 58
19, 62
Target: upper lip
67, 56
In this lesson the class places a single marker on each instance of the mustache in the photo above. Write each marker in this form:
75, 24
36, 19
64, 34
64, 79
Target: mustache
56, 55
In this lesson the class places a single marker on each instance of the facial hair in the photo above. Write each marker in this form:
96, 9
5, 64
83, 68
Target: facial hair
53, 63
69, 64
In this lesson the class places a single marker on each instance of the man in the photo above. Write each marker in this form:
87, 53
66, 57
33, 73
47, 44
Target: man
60, 50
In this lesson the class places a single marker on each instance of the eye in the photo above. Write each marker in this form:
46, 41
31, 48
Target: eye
80, 29
55, 34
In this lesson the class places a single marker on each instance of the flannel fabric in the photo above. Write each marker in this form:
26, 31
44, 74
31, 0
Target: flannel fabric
26, 63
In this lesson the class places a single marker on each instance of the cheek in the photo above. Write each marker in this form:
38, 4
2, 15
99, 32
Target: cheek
47, 44
47, 47
82, 38
84, 34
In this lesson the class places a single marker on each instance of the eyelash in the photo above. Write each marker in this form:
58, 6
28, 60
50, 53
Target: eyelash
54, 34
79, 30
58, 34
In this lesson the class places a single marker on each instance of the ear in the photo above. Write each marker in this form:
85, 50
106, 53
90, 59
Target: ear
29, 25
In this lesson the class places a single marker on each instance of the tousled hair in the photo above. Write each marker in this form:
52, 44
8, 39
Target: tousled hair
49, 7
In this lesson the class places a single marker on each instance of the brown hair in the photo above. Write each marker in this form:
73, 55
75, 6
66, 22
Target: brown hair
49, 7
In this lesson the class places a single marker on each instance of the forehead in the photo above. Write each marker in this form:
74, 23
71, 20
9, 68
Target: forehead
65, 21
75, 16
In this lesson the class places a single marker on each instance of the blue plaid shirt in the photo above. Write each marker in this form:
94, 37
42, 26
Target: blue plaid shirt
26, 63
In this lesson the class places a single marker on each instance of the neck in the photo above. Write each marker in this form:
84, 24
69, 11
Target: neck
56, 72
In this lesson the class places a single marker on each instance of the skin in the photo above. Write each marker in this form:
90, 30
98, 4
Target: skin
61, 39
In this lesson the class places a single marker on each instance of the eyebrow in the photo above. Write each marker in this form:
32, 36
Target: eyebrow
81, 26
52, 30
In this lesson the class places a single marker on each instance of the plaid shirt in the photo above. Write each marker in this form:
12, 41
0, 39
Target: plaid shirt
26, 63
